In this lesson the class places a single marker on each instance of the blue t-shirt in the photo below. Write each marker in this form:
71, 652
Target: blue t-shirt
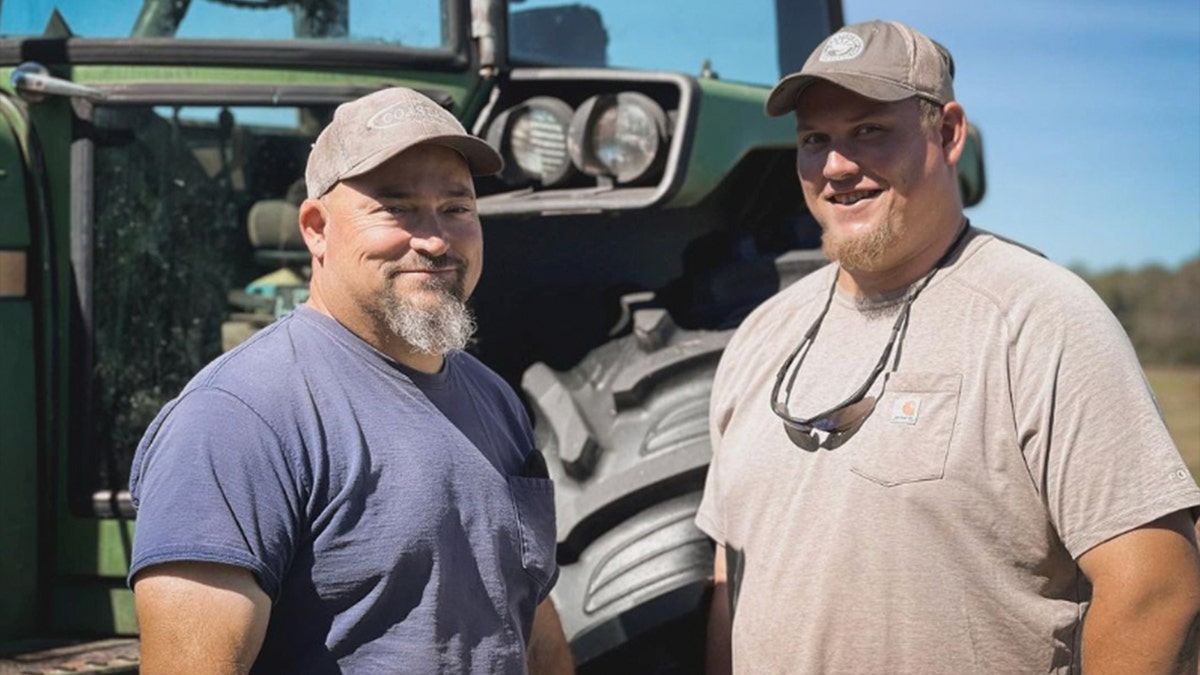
388, 513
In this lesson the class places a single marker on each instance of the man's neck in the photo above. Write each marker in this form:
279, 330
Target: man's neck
420, 361
381, 338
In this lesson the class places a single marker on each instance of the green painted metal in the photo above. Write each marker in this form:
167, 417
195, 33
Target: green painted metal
470, 108
971, 175
94, 546
82, 547
18, 470
730, 122
90, 607
14, 224
131, 74
459, 85
51, 120
18, 403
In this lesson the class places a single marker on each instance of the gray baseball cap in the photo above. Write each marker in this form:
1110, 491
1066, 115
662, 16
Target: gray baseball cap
368, 131
884, 61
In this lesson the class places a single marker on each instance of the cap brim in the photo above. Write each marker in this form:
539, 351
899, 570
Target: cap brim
786, 95
482, 159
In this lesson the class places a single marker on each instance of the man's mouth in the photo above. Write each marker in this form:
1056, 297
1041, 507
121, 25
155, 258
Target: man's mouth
443, 281
440, 265
852, 198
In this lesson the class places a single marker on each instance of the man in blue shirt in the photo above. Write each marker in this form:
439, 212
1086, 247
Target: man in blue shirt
349, 490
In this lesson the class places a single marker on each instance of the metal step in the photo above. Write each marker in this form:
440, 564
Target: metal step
57, 657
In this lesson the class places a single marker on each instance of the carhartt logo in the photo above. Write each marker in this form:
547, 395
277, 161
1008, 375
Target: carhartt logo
906, 409
399, 113
841, 47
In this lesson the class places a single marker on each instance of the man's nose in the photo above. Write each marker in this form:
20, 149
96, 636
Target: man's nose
838, 165
429, 235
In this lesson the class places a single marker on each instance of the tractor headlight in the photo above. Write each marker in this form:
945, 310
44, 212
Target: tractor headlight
621, 135
532, 138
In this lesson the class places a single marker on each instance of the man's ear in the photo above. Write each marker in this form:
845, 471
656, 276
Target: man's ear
313, 219
953, 132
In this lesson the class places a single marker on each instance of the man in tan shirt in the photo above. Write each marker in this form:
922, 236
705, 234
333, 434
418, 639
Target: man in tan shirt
938, 454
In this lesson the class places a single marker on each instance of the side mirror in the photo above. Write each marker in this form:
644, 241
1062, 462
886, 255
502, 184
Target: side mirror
971, 180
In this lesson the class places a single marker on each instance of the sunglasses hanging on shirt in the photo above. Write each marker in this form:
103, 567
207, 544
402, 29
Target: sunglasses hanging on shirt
851, 412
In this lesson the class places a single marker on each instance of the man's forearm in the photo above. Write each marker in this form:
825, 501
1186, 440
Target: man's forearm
548, 653
1145, 599
1154, 639
717, 652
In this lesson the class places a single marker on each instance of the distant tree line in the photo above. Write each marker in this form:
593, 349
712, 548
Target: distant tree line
1160, 310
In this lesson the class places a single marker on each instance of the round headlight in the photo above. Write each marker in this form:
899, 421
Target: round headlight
622, 135
532, 138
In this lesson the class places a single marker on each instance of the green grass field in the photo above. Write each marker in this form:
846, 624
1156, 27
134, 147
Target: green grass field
1178, 392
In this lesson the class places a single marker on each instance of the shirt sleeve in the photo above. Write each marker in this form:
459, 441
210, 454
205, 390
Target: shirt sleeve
742, 358
1092, 434
710, 516
211, 482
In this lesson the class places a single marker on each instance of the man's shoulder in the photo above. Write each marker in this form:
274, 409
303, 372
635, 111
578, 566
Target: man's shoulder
999, 250
775, 318
265, 364
478, 375
1016, 276
781, 307
471, 364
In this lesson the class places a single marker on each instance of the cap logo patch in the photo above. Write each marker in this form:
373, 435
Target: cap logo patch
399, 113
841, 47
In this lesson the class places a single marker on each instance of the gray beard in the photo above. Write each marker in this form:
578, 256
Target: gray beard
431, 328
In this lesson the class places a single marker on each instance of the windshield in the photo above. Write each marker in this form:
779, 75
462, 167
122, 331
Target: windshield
159, 171
408, 23
731, 40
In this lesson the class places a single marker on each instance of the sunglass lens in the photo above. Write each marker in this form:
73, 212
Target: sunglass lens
844, 419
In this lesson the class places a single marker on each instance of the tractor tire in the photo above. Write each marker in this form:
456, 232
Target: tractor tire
625, 435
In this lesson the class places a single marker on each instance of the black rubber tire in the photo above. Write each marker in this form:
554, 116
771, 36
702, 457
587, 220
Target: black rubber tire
625, 435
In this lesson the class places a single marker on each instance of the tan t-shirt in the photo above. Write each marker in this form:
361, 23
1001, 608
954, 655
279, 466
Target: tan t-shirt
1016, 433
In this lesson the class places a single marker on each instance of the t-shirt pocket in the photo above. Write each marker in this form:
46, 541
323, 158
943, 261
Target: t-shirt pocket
907, 438
534, 502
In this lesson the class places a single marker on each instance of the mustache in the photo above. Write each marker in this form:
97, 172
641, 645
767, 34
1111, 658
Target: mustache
424, 263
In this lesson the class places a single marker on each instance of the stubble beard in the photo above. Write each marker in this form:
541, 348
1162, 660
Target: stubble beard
433, 325
863, 252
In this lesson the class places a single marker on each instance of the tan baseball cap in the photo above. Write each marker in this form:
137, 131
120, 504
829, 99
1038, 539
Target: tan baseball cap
884, 61
368, 131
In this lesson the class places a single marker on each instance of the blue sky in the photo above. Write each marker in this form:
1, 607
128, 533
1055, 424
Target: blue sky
1090, 109
1090, 113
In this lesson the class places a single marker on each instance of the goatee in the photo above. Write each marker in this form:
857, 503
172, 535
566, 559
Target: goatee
436, 320
863, 252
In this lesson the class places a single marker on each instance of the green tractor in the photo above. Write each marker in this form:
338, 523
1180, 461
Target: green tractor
151, 162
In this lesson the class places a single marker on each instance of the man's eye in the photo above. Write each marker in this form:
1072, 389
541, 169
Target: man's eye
811, 140
868, 130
